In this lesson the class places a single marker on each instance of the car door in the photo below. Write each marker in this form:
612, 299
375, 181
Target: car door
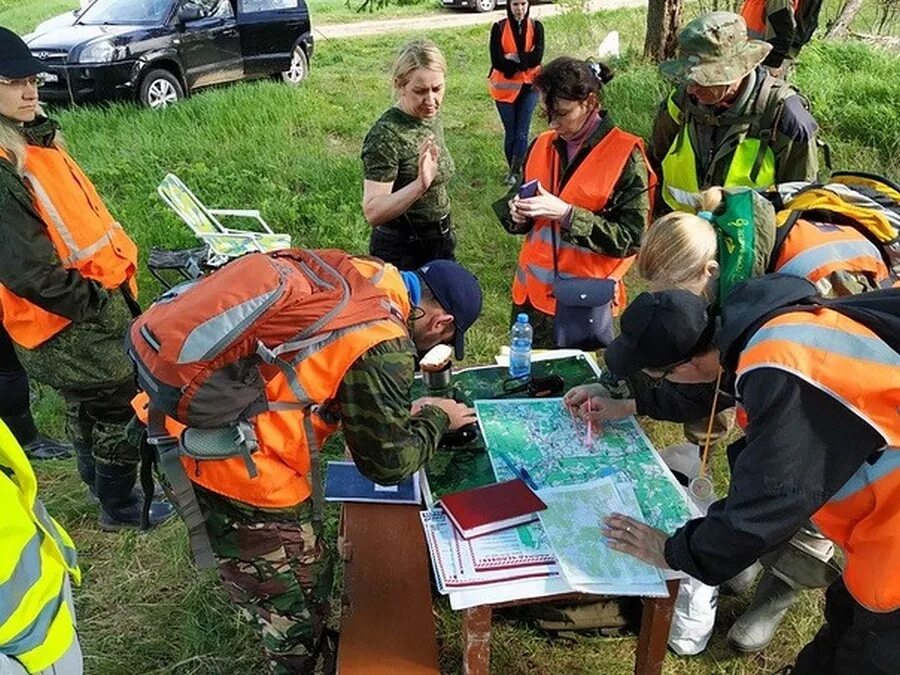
269, 31
209, 45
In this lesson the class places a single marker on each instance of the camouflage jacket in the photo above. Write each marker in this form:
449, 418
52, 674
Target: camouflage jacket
714, 132
390, 154
386, 441
616, 230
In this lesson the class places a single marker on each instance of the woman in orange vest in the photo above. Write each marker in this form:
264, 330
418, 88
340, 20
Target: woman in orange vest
818, 384
517, 49
593, 195
67, 288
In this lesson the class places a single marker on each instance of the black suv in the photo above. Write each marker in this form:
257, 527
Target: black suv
157, 51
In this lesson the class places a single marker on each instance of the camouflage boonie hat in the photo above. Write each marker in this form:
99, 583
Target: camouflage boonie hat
713, 49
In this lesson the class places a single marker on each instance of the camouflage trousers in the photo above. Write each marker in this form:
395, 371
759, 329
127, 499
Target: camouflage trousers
277, 570
86, 363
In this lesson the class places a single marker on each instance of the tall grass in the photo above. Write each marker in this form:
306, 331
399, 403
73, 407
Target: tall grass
293, 153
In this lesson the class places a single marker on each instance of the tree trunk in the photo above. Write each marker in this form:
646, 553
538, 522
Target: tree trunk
663, 21
845, 18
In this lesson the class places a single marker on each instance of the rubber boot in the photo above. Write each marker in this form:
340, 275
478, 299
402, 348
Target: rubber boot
121, 502
754, 629
741, 582
36, 447
514, 176
84, 460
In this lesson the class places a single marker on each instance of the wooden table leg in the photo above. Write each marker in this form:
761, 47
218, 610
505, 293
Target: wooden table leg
476, 633
656, 619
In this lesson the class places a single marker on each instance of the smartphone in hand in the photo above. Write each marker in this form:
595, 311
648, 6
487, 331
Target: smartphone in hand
529, 189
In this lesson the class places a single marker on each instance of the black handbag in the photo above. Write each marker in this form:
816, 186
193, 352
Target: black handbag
584, 317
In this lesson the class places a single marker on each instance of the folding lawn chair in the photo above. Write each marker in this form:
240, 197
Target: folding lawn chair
220, 244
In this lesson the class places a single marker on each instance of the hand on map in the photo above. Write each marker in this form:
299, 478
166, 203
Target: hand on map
602, 406
459, 413
637, 539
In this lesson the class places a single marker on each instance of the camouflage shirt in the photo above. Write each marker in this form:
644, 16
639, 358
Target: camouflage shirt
390, 154
386, 441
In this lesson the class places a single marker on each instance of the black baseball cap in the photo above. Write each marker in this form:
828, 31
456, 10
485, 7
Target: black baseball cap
658, 330
16, 61
458, 292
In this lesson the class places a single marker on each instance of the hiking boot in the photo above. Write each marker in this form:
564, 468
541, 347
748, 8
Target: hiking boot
754, 629
741, 582
514, 175
121, 502
36, 447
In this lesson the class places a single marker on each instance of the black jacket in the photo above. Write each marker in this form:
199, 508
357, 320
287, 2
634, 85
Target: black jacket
800, 446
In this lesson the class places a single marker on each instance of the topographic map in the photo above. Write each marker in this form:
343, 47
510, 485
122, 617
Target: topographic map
540, 436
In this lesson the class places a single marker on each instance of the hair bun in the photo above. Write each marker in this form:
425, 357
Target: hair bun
601, 71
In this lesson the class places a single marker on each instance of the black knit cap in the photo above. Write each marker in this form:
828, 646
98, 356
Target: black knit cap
16, 61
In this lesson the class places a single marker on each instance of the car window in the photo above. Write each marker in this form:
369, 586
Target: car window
126, 12
251, 6
220, 9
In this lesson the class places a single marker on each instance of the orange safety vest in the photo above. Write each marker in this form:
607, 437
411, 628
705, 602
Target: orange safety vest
852, 364
754, 13
590, 187
506, 89
85, 235
814, 250
290, 433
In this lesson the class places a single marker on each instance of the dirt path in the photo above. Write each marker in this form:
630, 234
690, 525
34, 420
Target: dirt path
446, 19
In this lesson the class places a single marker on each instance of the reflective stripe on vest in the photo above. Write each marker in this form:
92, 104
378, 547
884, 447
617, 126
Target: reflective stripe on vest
755, 14
853, 365
506, 89
290, 428
36, 626
814, 250
84, 234
679, 166
589, 187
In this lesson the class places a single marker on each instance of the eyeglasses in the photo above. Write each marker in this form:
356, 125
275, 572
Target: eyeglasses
659, 375
19, 83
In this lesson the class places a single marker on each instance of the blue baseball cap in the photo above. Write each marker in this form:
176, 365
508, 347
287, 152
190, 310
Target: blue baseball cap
458, 291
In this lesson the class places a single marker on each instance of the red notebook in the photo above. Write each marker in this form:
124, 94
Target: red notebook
492, 507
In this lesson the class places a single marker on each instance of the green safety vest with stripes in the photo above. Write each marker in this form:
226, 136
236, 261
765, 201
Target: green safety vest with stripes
36, 624
752, 164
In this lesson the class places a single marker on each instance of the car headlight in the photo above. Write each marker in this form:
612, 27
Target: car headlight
102, 52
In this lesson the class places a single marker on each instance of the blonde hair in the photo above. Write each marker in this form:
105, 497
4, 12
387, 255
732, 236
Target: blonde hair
676, 249
13, 142
414, 55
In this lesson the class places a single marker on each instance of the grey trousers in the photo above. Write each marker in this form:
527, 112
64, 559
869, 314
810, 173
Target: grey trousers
70, 663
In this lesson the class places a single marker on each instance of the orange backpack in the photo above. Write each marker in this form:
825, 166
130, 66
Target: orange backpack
199, 348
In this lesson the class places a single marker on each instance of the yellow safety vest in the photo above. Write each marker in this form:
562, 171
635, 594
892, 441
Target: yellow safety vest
679, 166
36, 626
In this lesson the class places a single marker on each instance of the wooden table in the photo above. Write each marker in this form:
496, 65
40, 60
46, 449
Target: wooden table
656, 617
388, 625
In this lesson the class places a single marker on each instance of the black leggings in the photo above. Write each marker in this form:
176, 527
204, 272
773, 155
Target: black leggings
13, 380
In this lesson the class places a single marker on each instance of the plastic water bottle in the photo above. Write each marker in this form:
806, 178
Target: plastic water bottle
520, 347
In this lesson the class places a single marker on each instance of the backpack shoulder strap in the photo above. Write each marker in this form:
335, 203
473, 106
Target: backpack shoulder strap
781, 235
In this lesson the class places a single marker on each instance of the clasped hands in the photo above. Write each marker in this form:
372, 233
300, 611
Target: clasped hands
542, 205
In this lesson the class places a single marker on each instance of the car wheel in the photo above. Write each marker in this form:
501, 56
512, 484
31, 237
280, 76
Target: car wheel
159, 89
299, 68
485, 5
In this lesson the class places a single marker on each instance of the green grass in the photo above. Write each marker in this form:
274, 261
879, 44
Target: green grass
293, 153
